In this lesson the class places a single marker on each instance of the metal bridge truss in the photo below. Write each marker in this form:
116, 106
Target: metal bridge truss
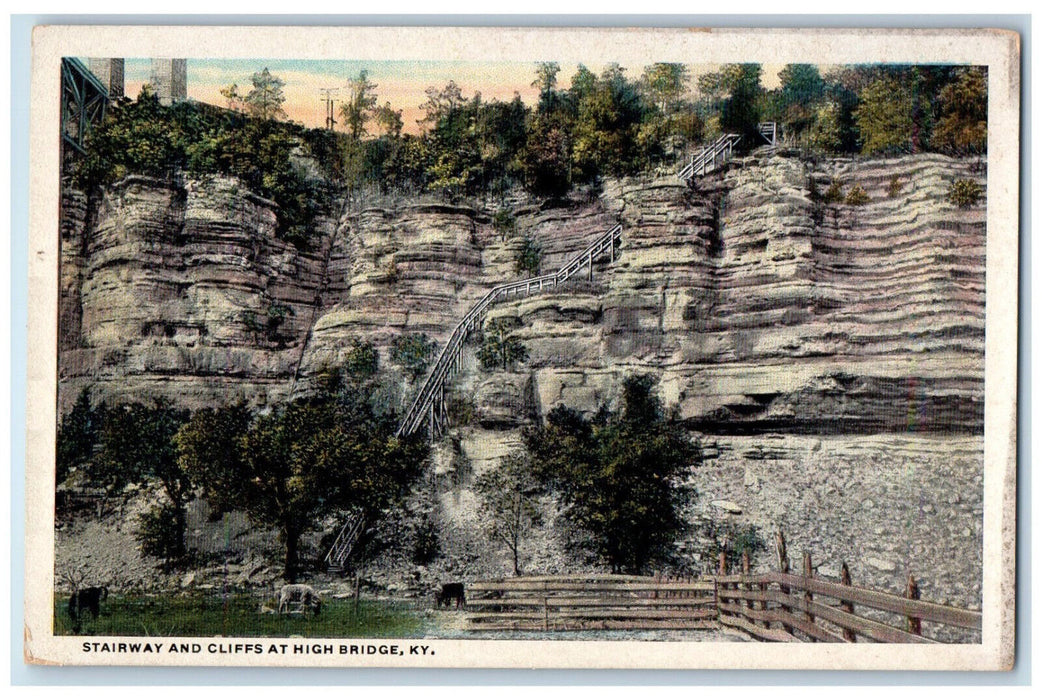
83, 102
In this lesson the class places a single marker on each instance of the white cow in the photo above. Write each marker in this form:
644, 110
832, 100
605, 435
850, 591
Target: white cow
299, 597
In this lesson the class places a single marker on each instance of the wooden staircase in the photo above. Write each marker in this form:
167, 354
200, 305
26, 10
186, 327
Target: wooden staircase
428, 408
720, 151
344, 544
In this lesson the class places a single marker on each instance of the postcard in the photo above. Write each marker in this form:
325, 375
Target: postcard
523, 347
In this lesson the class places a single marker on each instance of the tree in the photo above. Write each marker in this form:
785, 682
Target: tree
963, 125
665, 83
360, 105
499, 347
77, 435
209, 450
619, 476
607, 125
885, 117
507, 503
735, 90
389, 120
234, 98
266, 98
529, 257
311, 458
413, 353
137, 446
546, 158
546, 81
802, 90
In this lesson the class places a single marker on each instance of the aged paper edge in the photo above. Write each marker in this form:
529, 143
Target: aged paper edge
998, 50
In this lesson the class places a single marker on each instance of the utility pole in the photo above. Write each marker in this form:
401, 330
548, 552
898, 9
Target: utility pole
329, 92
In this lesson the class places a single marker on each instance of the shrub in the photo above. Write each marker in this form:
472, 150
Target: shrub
413, 352
529, 257
965, 193
159, 534
857, 196
733, 540
504, 222
834, 194
894, 188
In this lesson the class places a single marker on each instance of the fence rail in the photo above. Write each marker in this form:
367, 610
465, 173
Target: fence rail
773, 606
578, 603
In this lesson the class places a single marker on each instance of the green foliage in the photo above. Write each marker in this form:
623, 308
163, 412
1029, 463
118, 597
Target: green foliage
734, 540
266, 98
885, 117
425, 543
607, 126
504, 222
160, 530
736, 93
77, 435
310, 458
618, 477
963, 124
237, 614
137, 446
360, 106
665, 84
529, 257
825, 133
546, 81
209, 450
834, 194
145, 138
857, 196
965, 193
802, 92
499, 348
413, 353
389, 120
363, 361
461, 409
893, 188
547, 158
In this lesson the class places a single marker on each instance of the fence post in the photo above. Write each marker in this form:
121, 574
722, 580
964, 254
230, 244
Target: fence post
783, 566
358, 591
915, 624
808, 597
748, 587
846, 605
546, 610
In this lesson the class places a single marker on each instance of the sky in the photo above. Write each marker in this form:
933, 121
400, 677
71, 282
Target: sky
402, 83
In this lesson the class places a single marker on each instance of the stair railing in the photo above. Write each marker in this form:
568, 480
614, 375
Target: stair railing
423, 406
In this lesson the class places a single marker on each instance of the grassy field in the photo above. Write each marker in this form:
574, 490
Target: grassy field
240, 616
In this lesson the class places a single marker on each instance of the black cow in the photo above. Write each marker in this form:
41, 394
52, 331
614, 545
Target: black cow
450, 592
86, 600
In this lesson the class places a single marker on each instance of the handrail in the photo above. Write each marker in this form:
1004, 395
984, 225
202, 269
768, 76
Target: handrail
345, 541
435, 379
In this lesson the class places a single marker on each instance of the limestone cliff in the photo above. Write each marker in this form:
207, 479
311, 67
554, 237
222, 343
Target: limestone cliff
759, 308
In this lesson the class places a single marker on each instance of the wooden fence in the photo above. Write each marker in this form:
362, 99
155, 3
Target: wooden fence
774, 606
591, 602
